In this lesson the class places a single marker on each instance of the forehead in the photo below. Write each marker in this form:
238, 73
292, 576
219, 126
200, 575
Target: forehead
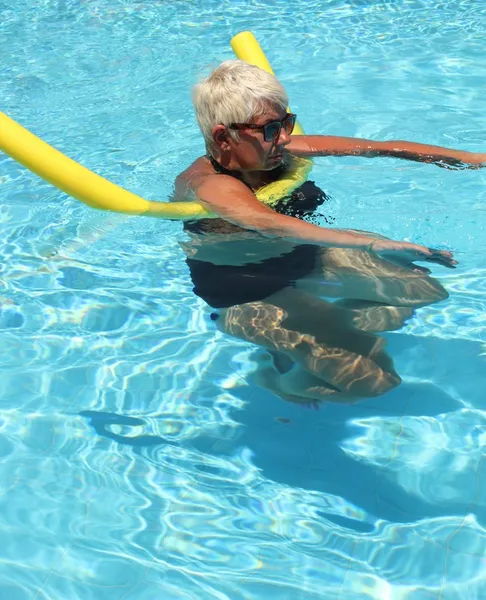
271, 113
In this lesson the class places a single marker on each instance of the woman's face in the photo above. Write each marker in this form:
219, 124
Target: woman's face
251, 152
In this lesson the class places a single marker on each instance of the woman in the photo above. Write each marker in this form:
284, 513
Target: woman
265, 269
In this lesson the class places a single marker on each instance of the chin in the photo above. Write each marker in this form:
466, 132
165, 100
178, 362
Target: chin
273, 163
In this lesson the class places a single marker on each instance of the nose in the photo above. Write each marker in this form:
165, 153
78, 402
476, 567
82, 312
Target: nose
283, 138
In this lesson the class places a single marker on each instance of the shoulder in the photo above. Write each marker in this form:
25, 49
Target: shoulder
187, 181
299, 145
199, 178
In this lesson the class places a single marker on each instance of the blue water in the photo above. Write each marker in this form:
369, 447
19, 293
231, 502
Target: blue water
138, 459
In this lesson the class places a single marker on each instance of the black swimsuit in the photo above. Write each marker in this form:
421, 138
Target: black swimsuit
222, 286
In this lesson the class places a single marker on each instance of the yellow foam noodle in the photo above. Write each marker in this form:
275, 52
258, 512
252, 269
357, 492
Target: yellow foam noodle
81, 183
247, 48
97, 192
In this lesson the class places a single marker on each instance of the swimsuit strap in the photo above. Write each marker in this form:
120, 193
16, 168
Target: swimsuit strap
218, 167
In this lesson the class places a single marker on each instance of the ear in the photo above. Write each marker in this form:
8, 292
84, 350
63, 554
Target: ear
220, 137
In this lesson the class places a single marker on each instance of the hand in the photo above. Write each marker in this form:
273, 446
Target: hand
407, 252
471, 160
478, 160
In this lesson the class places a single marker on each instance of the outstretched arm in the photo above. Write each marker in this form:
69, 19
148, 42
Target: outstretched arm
328, 145
234, 202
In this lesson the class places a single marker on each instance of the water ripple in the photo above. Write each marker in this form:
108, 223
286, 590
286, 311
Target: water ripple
139, 461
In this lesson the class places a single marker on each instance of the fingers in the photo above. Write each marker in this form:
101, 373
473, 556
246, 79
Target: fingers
441, 257
449, 264
440, 252
412, 252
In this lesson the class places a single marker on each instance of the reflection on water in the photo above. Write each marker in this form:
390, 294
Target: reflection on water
103, 345
153, 455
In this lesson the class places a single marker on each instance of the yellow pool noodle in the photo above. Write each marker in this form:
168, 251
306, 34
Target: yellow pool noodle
247, 48
97, 192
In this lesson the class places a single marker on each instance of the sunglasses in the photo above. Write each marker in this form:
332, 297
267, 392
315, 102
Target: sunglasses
271, 131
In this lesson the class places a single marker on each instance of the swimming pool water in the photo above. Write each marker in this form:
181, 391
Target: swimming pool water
139, 459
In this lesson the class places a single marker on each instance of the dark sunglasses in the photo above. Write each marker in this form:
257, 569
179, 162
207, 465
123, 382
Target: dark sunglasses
271, 131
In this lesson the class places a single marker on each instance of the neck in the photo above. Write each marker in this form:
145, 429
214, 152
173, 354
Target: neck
253, 179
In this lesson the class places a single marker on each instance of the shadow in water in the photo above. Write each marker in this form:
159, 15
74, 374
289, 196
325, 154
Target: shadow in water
101, 421
300, 447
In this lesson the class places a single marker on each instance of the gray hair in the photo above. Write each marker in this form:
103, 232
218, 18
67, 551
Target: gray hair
235, 92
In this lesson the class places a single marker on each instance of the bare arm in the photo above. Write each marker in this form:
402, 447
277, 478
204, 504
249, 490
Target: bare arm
328, 145
234, 202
